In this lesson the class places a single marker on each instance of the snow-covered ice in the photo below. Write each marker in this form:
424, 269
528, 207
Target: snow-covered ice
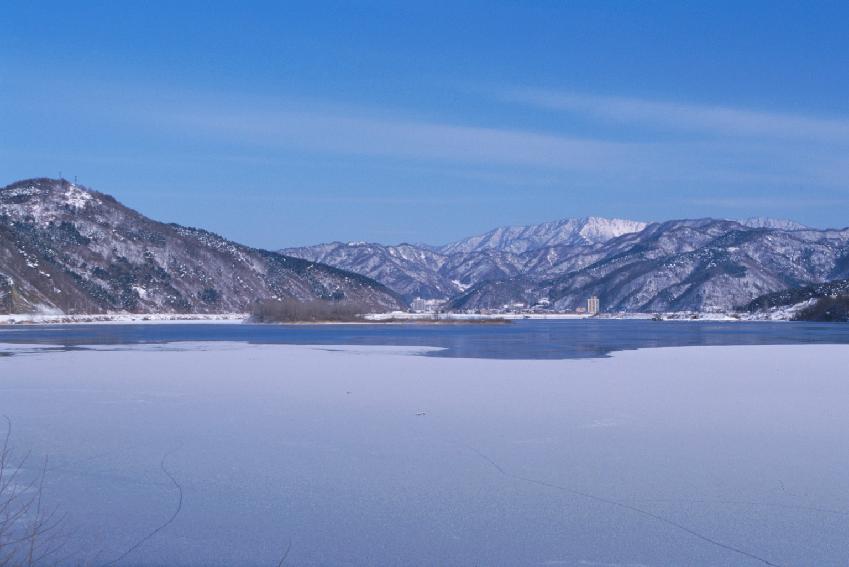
376, 456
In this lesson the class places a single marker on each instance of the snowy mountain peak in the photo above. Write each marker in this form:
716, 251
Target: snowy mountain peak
44, 200
39, 186
416, 270
597, 229
570, 231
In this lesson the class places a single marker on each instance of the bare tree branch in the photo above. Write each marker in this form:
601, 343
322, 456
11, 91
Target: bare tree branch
27, 529
171, 519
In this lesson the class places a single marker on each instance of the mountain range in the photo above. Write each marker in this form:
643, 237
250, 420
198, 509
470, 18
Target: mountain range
679, 265
69, 249
442, 272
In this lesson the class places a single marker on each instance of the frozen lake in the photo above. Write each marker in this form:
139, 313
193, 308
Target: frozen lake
523, 339
721, 455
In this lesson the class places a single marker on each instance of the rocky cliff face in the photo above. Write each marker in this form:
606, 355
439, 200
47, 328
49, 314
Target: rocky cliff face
64, 247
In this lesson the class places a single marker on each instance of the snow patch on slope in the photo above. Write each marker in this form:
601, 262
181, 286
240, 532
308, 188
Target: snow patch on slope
76, 197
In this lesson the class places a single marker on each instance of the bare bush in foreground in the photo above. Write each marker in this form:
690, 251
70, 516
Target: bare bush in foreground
27, 529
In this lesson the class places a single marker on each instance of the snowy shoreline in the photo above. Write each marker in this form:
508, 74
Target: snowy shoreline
121, 318
774, 315
401, 316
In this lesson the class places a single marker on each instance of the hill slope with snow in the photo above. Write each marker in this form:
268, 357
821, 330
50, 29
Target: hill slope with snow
66, 248
699, 265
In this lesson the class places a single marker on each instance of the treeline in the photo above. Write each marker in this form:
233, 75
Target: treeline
794, 295
317, 311
826, 309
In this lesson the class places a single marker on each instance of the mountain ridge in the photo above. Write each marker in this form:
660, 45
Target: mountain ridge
421, 270
522, 238
64, 247
685, 264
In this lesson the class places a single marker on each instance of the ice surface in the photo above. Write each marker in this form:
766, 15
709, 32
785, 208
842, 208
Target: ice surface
369, 456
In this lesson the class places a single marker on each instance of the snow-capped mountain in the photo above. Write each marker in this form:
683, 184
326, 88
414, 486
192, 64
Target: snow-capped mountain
66, 248
699, 265
566, 232
704, 264
417, 270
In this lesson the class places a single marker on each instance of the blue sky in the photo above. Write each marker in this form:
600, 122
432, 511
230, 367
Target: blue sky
281, 124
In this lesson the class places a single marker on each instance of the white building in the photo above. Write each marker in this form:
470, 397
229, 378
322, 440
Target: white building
592, 305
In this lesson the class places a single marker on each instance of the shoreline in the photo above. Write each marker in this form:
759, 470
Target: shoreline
392, 318
28, 319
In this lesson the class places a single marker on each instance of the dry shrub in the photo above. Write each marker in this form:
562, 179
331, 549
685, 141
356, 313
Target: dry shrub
28, 530
317, 311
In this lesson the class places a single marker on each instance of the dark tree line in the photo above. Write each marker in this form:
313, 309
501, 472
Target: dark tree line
317, 311
827, 309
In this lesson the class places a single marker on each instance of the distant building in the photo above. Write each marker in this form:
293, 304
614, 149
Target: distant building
592, 305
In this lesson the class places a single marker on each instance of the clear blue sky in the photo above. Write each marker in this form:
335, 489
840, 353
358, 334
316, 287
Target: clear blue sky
281, 124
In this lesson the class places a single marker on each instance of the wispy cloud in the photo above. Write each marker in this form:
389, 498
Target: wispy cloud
342, 130
359, 133
676, 116
723, 147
